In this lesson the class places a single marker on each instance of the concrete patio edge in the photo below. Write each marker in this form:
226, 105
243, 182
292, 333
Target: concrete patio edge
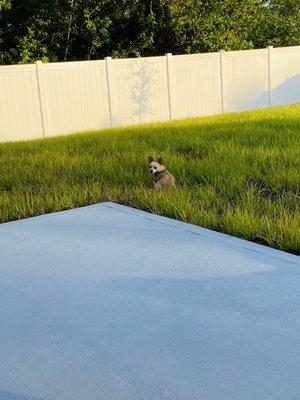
214, 235
187, 227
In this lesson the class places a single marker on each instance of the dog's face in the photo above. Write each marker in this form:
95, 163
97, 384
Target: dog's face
155, 166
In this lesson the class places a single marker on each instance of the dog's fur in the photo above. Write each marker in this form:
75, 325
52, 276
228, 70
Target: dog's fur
163, 178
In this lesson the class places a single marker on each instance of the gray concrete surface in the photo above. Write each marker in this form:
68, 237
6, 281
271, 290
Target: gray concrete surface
106, 302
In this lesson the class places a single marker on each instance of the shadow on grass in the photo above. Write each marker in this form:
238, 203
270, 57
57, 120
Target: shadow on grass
233, 121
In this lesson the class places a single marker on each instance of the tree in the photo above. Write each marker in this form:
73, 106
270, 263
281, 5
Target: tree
57, 30
285, 22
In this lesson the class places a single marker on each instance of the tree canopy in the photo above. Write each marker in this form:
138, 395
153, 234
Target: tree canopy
57, 30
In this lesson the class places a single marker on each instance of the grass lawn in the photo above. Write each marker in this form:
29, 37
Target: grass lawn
236, 173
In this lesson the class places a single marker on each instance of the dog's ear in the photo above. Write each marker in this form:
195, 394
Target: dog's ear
160, 161
150, 159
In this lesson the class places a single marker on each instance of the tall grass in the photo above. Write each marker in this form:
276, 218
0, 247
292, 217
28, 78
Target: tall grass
235, 173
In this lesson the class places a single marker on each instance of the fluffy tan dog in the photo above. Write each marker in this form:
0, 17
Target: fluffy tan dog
163, 178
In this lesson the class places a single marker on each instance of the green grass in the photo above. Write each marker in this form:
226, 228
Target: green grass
236, 173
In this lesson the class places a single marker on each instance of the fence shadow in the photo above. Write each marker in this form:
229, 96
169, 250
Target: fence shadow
286, 93
143, 83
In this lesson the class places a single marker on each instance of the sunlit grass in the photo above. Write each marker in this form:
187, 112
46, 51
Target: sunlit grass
236, 173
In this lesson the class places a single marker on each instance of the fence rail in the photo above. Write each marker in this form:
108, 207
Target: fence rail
43, 100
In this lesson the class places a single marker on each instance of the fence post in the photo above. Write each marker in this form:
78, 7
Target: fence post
38, 66
270, 48
221, 59
108, 83
169, 83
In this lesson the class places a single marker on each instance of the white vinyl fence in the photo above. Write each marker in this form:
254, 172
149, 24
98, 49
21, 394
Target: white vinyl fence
43, 100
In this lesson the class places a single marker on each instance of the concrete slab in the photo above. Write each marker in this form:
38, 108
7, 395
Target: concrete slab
106, 302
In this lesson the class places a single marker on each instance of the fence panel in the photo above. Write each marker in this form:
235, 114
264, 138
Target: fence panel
245, 79
197, 87
139, 90
74, 97
285, 75
20, 117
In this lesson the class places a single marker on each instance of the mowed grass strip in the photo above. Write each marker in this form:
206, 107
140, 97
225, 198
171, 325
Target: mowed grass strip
236, 173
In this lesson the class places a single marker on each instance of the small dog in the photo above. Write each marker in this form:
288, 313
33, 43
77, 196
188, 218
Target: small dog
163, 178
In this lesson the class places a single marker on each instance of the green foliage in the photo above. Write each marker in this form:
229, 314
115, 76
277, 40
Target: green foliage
58, 30
286, 22
5, 4
235, 173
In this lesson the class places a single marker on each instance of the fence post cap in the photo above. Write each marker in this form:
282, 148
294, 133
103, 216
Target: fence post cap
107, 58
38, 62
